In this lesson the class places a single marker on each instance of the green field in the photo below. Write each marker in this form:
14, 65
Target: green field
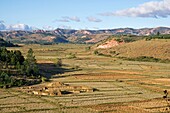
121, 86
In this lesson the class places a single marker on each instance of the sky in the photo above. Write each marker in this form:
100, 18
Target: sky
86, 14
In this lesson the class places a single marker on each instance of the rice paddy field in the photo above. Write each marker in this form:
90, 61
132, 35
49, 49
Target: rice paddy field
119, 86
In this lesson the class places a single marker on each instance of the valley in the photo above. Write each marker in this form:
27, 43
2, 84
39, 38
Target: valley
118, 85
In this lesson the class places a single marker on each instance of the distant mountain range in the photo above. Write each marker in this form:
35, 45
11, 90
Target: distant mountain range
141, 32
24, 34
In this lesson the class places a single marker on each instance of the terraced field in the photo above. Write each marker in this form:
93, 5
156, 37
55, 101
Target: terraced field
119, 86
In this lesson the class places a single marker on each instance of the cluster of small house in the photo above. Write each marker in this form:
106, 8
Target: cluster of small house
58, 89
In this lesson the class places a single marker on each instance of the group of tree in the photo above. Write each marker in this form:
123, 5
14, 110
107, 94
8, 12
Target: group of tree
14, 61
11, 57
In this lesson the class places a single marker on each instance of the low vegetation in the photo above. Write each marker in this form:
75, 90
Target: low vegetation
126, 38
147, 59
158, 36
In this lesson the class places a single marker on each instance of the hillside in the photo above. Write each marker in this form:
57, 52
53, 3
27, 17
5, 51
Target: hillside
3, 43
40, 37
155, 48
90, 39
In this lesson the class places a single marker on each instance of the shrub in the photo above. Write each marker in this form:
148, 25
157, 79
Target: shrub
75, 67
44, 79
71, 56
166, 99
96, 52
58, 62
88, 48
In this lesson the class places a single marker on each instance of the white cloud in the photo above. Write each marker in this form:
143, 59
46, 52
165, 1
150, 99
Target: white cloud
154, 9
64, 27
48, 28
18, 27
93, 19
23, 27
74, 18
68, 19
62, 20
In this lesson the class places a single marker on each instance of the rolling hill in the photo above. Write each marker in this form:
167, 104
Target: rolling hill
157, 48
39, 36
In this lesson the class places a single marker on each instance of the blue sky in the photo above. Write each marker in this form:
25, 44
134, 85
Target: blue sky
86, 14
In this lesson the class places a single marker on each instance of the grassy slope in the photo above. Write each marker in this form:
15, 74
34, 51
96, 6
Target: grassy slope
153, 48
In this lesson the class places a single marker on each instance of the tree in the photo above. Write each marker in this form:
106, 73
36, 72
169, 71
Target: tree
158, 33
13, 60
3, 54
30, 65
18, 66
5, 79
19, 57
30, 57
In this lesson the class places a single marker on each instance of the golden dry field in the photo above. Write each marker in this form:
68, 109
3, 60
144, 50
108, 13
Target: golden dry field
154, 48
119, 86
